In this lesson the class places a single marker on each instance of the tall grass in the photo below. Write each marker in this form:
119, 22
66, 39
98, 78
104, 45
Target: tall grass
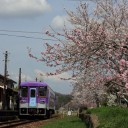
66, 122
111, 117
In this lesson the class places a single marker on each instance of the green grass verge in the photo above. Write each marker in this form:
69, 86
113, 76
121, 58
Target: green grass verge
111, 117
66, 122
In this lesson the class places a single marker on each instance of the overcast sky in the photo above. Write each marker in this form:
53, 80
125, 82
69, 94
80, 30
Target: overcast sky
31, 16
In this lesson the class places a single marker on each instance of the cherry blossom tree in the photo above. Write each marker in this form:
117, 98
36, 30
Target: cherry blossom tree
96, 48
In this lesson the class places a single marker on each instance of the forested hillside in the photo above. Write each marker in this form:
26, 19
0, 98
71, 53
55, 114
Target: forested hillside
62, 99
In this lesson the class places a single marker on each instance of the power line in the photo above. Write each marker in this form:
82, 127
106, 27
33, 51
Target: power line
19, 31
3, 34
5, 30
16, 34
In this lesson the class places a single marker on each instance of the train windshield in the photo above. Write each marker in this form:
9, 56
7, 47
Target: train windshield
42, 91
33, 93
24, 91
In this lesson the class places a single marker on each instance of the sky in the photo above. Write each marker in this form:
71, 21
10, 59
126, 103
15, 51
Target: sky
20, 16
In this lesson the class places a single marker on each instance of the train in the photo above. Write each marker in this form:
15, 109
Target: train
36, 98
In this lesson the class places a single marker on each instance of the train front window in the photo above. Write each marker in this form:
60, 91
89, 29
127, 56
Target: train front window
42, 91
24, 91
33, 93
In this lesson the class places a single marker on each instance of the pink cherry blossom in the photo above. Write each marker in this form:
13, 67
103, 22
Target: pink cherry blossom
94, 50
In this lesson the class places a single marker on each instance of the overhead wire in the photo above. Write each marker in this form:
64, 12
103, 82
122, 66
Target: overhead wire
3, 34
5, 30
6, 33
19, 31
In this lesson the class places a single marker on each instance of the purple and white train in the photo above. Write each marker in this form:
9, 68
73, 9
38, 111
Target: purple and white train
36, 98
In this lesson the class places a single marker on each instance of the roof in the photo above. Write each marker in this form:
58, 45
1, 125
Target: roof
1, 76
33, 83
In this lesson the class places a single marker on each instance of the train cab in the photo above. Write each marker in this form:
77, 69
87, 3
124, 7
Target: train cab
36, 98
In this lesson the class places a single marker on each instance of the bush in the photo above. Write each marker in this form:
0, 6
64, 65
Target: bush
82, 108
111, 117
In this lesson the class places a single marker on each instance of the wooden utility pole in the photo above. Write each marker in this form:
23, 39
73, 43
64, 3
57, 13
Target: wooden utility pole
19, 79
5, 82
19, 82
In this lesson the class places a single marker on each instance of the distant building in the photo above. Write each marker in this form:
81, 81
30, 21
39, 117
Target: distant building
10, 93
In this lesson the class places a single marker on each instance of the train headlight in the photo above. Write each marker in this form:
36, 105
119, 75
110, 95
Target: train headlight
23, 101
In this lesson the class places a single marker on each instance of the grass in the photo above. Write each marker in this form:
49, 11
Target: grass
111, 117
66, 122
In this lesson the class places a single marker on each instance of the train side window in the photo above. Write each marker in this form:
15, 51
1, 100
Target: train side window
24, 91
42, 91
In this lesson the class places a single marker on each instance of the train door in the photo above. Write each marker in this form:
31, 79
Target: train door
32, 99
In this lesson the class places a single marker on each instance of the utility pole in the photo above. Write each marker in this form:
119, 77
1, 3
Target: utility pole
19, 79
17, 99
5, 82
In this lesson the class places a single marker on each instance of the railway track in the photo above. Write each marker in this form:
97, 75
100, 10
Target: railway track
14, 123
20, 122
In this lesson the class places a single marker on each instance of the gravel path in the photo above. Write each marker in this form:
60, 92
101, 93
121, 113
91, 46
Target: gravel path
37, 124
